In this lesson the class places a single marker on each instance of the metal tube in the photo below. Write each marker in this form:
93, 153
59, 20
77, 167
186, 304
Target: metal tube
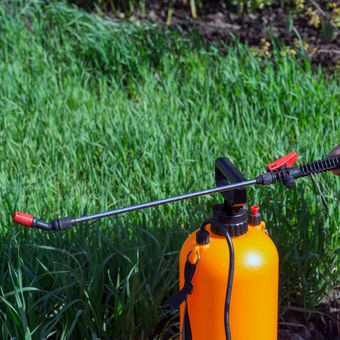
165, 201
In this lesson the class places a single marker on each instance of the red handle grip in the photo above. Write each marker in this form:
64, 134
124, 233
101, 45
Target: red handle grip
287, 160
23, 219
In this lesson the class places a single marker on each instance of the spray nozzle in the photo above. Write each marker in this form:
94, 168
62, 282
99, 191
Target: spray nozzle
23, 219
30, 221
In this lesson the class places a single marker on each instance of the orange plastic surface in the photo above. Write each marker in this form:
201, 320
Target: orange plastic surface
254, 300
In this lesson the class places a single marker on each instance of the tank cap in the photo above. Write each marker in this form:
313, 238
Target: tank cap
202, 237
236, 220
254, 217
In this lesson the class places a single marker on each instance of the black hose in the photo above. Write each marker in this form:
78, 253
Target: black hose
230, 273
229, 284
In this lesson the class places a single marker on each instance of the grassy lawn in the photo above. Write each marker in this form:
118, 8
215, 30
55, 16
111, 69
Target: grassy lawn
96, 115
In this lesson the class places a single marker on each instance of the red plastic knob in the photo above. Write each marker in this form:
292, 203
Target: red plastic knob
254, 209
287, 160
23, 219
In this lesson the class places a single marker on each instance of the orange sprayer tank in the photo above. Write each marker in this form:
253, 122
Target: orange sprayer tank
254, 299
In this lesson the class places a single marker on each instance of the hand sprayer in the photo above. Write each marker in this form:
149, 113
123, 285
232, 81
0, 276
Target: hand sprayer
229, 266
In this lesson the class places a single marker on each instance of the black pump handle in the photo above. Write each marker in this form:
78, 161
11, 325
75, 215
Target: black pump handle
227, 173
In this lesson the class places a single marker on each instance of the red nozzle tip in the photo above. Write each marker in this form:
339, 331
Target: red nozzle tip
23, 219
254, 209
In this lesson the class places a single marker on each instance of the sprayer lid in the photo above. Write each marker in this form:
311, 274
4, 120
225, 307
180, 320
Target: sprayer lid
235, 220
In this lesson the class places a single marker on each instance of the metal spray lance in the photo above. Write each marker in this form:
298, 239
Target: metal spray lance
278, 171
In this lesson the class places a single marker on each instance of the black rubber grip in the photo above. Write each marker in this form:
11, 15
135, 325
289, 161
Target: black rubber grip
317, 167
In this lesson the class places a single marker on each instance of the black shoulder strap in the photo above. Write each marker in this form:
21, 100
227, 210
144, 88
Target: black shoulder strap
186, 331
182, 295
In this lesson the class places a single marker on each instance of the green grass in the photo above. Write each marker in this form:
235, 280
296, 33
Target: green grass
96, 115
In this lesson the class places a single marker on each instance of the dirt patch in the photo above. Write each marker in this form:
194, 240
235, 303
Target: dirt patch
311, 32
322, 325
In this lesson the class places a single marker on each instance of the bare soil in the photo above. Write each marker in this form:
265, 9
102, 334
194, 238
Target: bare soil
310, 32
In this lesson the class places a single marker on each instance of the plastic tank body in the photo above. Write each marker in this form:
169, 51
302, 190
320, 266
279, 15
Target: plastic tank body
254, 299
